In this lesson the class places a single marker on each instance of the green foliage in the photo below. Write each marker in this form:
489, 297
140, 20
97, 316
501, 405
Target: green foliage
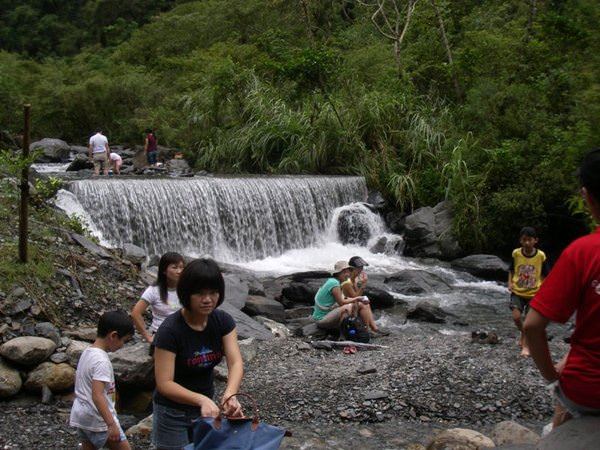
266, 86
45, 189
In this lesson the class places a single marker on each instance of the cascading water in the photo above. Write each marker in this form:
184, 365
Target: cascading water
232, 219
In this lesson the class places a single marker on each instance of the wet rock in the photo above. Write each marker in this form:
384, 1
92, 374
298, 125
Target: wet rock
263, 306
90, 246
236, 290
460, 439
414, 282
488, 267
353, 227
27, 350
53, 150
80, 162
246, 326
10, 380
395, 221
48, 330
509, 432
427, 312
74, 351
134, 254
428, 233
380, 298
375, 198
57, 377
133, 365
178, 167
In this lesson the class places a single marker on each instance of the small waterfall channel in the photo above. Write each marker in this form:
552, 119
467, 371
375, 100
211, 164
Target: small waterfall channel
232, 219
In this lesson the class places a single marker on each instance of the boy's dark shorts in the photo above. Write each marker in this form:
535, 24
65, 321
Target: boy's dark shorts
520, 303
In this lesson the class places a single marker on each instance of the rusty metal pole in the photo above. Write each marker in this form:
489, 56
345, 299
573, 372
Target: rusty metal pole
23, 211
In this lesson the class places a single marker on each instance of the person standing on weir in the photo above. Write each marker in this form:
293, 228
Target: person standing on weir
99, 152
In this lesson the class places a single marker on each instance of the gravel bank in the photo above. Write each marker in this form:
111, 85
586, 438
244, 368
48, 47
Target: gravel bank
423, 381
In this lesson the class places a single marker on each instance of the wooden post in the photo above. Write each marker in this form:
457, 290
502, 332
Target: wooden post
23, 211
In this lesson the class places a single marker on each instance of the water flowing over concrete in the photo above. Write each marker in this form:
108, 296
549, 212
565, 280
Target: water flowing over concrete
232, 219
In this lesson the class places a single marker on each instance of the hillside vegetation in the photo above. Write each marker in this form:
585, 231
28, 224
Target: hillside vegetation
489, 104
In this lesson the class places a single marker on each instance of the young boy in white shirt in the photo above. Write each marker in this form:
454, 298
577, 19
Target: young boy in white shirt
93, 412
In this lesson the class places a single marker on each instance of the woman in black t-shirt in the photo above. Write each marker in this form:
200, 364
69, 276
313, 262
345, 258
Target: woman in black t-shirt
189, 344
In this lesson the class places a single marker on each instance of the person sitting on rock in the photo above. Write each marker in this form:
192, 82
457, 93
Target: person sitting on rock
188, 345
161, 296
573, 286
330, 305
354, 286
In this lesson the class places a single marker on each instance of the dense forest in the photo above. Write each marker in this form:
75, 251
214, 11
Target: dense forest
490, 104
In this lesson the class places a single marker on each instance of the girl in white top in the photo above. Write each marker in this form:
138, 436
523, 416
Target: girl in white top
161, 296
116, 162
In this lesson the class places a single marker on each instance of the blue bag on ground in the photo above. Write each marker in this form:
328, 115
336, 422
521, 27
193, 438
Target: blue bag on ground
223, 433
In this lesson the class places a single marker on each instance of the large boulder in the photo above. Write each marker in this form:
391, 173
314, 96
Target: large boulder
303, 293
576, 434
353, 226
278, 330
236, 290
247, 327
48, 330
133, 365
178, 167
57, 377
511, 433
10, 380
134, 254
414, 282
90, 246
74, 351
488, 267
263, 306
460, 439
427, 312
53, 150
80, 162
379, 298
28, 350
428, 233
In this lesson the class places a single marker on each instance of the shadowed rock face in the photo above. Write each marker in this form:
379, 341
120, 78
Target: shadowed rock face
576, 434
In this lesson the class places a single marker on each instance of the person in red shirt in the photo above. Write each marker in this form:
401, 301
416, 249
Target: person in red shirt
573, 286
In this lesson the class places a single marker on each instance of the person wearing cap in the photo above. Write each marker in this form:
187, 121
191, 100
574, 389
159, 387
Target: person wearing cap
573, 286
354, 286
330, 305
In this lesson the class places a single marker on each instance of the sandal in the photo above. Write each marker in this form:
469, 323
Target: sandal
349, 350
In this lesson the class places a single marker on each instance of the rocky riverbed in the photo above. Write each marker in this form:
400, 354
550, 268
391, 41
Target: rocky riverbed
382, 399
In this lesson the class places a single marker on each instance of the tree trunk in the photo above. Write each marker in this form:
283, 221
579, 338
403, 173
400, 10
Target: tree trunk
457, 88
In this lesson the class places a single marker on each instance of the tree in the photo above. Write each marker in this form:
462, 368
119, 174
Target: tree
392, 19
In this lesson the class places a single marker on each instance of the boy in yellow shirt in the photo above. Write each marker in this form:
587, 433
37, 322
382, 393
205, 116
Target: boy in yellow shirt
525, 276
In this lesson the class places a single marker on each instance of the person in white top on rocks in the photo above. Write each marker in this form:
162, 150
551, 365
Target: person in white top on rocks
116, 162
160, 297
93, 412
99, 152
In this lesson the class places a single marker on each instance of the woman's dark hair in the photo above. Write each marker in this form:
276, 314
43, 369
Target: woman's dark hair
118, 321
161, 279
198, 275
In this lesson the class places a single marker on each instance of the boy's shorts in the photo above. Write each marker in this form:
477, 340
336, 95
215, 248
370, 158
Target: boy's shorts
98, 438
520, 303
576, 410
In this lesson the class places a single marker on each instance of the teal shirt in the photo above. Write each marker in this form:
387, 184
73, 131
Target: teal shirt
324, 299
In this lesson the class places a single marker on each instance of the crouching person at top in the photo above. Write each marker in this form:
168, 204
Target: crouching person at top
573, 286
93, 412
330, 305
188, 345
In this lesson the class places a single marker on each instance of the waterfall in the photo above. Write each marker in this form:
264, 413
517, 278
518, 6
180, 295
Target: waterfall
232, 219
